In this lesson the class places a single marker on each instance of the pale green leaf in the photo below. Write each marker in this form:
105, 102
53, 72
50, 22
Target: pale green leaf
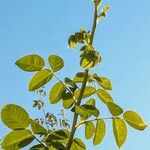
81, 111
120, 131
68, 100
56, 92
89, 129
134, 120
89, 90
30, 63
77, 144
104, 96
105, 83
37, 128
114, 109
99, 132
56, 62
14, 117
17, 139
39, 79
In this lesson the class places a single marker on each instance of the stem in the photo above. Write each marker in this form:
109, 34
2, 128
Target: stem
39, 142
75, 118
107, 118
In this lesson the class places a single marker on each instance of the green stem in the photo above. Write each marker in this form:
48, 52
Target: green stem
75, 118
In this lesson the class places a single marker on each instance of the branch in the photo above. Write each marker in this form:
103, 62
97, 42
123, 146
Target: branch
107, 118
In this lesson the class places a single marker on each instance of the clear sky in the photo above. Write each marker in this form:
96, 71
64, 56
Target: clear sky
123, 39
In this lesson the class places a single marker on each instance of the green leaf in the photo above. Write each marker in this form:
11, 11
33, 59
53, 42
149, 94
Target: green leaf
90, 59
90, 110
17, 139
30, 63
114, 109
77, 144
81, 111
37, 128
70, 82
91, 102
105, 83
56, 62
79, 77
59, 136
87, 48
57, 146
99, 132
68, 100
120, 131
14, 117
72, 41
56, 92
89, 129
39, 79
104, 96
134, 120
104, 10
89, 90
38, 147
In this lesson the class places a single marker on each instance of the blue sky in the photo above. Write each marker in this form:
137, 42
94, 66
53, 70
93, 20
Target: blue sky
43, 27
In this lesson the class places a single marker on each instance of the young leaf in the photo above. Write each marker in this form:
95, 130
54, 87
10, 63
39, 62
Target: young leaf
17, 139
30, 63
89, 90
134, 120
67, 100
72, 41
104, 10
56, 62
104, 96
105, 83
114, 109
14, 117
40, 79
90, 59
37, 128
77, 144
99, 132
56, 92
120, 131
89, 129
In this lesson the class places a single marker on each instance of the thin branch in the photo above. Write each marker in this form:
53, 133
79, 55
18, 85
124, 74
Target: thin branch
107, 118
